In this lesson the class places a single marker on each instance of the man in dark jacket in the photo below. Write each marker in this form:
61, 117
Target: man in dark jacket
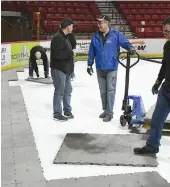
62, 67
37, 55
162, 108
104, 49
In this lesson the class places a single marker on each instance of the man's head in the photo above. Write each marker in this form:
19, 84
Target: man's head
67, 25
103, 23
38, 55
166, 27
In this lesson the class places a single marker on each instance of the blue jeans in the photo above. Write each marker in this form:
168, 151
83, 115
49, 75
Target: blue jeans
107, 84
62, 92
162, 109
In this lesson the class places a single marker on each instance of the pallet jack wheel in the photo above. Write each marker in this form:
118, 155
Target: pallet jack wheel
122, 121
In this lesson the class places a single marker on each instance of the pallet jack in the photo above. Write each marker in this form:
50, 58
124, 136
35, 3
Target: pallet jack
136, 114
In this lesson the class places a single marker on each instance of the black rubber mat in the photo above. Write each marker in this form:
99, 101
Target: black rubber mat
142, 179
41, 80
100, 149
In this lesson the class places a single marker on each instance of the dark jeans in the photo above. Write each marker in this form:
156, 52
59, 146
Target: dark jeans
107, 84
34, 67
162, 109
62, 92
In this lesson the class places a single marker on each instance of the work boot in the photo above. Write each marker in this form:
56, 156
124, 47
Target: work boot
102, 115
60, 118
69, 115
146, 150
107, 118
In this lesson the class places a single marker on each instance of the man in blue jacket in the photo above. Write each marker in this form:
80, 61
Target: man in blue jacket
104, 49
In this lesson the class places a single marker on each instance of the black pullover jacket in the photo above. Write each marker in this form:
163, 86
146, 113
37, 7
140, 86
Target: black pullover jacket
165, 68
61, 53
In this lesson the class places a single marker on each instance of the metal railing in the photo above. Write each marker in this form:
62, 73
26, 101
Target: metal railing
16, 27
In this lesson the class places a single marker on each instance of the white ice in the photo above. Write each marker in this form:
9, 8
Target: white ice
86, 105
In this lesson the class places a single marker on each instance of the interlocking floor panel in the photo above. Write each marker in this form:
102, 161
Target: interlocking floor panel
142, 179
103, 149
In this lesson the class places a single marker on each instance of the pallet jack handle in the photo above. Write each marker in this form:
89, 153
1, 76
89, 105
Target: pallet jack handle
128, 59
127, 66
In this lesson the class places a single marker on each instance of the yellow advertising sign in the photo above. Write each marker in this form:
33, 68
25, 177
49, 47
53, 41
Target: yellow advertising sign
20, 52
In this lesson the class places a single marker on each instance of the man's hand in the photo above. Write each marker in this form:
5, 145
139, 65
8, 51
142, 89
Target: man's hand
37, 74
90, 70
39, 61
132, 51
156, 87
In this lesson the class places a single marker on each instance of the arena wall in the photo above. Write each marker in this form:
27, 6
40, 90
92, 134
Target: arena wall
16, 54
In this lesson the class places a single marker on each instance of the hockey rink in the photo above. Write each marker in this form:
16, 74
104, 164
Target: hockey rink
86, 104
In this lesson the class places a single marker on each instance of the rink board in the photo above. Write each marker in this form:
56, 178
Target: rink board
41, 80
148, 117
141, 179
103, 149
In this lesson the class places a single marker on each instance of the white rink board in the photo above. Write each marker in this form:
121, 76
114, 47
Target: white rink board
149, 47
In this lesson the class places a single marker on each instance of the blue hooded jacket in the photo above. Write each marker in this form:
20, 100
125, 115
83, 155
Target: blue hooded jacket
106, 56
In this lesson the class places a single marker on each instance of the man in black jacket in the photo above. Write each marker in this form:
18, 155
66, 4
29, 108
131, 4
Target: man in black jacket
38, 54
162, 108
62, 67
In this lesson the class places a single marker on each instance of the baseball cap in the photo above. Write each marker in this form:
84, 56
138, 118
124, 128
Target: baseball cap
66, 22
104, 18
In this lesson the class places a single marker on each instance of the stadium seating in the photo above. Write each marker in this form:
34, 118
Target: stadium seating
145, 18
51, 13
84, 13
13, 5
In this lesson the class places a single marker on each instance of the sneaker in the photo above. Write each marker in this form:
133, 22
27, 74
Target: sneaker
107, 118
146, 150
69, 115
60, 118
102, 115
